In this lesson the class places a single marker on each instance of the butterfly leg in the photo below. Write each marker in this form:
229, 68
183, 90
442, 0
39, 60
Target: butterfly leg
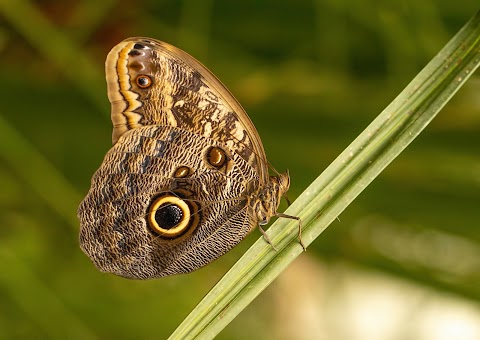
299, 227
265, 236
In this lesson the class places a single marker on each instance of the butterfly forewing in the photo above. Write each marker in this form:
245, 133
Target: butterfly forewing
183, 93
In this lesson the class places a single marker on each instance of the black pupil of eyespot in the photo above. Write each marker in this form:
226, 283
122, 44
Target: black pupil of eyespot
168, 215
143, 81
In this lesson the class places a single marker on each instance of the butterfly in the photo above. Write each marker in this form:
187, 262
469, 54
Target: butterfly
186, 178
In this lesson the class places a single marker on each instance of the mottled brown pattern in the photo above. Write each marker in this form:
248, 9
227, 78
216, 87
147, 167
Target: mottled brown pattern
163, 140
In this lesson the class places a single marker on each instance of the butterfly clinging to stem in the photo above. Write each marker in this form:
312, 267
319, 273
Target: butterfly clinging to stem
186, 178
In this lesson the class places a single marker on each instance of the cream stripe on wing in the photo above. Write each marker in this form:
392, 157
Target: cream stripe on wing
123, 100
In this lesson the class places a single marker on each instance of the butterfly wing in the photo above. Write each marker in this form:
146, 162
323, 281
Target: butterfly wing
186, 178
159, 205
153, 83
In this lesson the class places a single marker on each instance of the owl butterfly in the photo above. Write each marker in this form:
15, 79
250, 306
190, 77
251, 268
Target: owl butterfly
187, 177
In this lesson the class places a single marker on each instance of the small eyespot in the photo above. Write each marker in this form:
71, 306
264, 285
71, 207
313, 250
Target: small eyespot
181, 172
143, 81
216, 157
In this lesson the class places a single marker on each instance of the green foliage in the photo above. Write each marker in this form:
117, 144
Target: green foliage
311, 74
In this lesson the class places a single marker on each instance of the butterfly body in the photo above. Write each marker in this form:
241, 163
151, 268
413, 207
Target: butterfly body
187, 177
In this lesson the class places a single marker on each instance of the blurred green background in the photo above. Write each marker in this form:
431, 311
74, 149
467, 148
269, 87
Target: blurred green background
403, 262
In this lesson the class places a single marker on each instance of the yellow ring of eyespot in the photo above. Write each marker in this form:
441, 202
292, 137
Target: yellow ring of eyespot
181, 226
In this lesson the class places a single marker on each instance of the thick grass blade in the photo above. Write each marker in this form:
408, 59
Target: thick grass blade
383, 140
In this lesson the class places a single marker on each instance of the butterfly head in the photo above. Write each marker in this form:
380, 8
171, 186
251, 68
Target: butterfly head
266, 201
